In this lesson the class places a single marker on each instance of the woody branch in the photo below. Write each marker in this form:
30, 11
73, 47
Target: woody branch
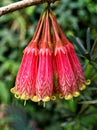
21, 4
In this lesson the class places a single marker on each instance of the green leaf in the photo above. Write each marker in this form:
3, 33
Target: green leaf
80, 46
88, 40
4, 93
93, 47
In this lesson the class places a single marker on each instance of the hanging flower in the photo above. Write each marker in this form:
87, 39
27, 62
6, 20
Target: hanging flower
50, 66
72, 58
26, 77
44, 80
76, 67
25, 80
66, 78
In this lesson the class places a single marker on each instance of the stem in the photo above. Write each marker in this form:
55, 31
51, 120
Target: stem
22, 4
49, 34
43, 29
64, 39
38, 29
57, 38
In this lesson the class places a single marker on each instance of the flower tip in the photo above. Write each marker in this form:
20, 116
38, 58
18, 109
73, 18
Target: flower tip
83, 87
12, 90
68, 97
53, 98
23, 97
88, 82
46, 99
35, 99
16, 96
76, 94
61, 96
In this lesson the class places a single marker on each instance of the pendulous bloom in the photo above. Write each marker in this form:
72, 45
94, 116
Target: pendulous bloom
66, 78
50, 66
44, 79
76, 67
70, 74
26, 77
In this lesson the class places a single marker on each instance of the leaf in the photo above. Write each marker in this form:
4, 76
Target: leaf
80, 46
93, 47
4, 94
88, 40
94, 64
30, 10
88, 102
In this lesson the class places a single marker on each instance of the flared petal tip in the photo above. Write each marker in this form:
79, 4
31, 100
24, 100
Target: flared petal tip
53, 98
88, 82
23, 97
82, 87
18, 95
61, 96
45, 99
68, 97
37, 99
12, 90
76, 94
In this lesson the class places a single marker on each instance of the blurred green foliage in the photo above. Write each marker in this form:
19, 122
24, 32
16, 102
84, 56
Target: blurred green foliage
16, 30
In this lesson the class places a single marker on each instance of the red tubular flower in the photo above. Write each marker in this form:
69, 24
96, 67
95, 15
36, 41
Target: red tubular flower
76, 67
26, 77
45, 63
25, 81
44, 80
67, 80
74, 62
66, 76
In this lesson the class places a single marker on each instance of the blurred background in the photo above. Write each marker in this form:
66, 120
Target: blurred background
78, 19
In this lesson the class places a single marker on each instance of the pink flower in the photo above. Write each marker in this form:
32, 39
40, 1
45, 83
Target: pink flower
44, 81
26, 77
49, 66
74, 61
66, 78
76, 67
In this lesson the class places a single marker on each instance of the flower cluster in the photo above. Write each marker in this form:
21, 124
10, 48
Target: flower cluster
50, 66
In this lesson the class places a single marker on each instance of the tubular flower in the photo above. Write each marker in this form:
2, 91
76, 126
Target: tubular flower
66, 78
64, 49
74, 61
76, 67
26, 77
44, 80
50, 66
25, 80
